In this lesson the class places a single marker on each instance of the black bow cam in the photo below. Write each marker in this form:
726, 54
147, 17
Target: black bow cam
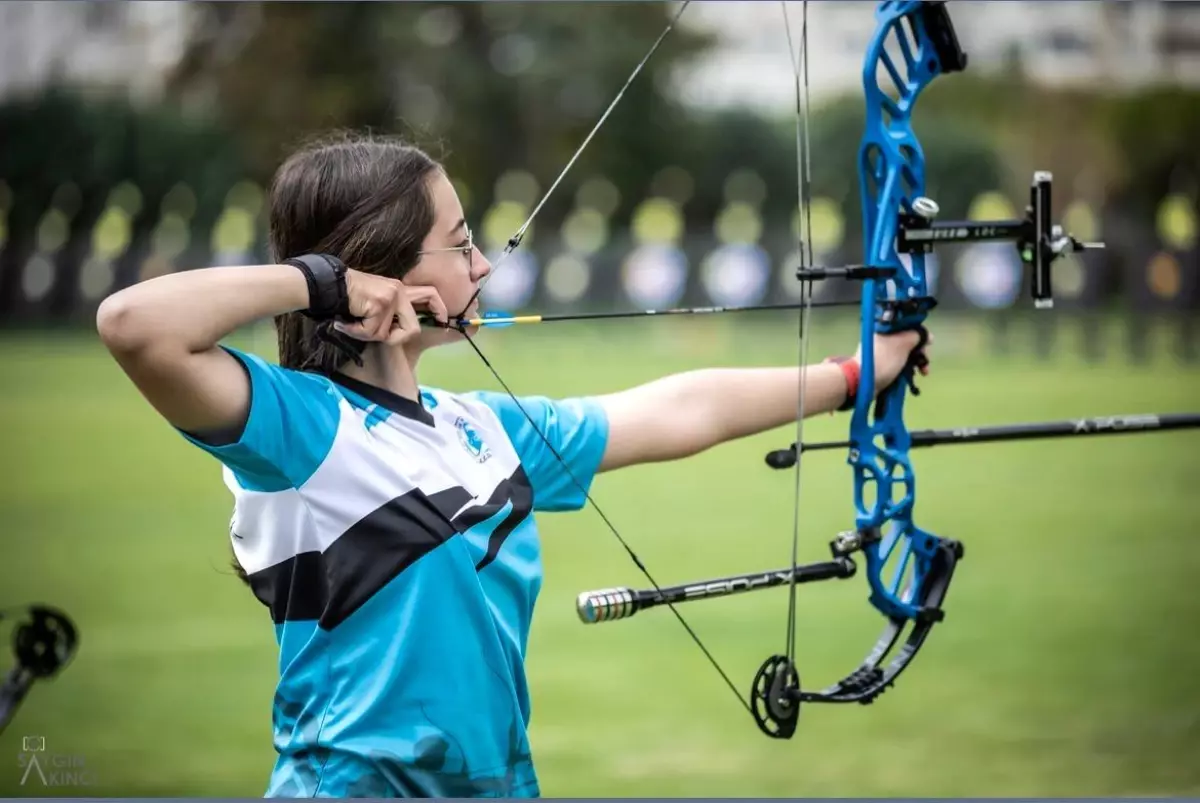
776, 695
42, 646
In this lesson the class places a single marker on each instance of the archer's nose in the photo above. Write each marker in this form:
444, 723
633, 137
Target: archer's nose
480, 266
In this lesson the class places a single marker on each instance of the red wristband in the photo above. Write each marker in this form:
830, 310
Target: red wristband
852, 371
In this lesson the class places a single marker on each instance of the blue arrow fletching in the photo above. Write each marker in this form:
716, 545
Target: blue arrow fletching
501, 319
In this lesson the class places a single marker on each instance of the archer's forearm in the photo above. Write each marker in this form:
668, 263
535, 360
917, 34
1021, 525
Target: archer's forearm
737, 402
685, 414
191, 311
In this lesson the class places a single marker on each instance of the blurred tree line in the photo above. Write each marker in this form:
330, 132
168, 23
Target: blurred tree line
70, 149
491, 86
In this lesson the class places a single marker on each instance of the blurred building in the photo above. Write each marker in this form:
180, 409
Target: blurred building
1065, 42
128, 46
1128, 43
108, 44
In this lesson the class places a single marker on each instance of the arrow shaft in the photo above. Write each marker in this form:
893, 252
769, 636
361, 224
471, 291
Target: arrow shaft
598, 316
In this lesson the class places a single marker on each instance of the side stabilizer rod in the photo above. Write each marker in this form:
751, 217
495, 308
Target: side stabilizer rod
1077, 427
609, 604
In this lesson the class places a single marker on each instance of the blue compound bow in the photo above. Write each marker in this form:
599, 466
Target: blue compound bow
907, 569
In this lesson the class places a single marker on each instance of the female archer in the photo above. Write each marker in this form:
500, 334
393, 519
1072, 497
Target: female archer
388, 526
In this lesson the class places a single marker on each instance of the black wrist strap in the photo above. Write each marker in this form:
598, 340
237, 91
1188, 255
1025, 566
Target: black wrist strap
326, 277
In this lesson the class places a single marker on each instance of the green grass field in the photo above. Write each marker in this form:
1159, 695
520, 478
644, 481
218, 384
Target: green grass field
1068, 664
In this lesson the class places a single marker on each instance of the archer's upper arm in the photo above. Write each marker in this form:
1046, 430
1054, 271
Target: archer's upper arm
630, 430
654, 423
288, 431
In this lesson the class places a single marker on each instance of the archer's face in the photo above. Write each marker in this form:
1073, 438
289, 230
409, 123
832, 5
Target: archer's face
453, 265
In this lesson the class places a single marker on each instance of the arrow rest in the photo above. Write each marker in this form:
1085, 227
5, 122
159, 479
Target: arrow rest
775, 697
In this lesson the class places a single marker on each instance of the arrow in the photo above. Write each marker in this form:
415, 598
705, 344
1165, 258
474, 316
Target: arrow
503, 319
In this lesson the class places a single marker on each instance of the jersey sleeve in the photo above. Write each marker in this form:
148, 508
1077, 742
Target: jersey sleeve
577, 429
289, 431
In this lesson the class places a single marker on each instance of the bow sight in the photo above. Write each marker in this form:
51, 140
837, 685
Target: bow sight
1038, 240
42, 646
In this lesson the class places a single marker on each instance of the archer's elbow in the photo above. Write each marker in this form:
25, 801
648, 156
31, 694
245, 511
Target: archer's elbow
120, 325
638, 435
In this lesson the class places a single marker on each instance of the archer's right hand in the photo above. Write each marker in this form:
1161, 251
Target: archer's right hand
386, 309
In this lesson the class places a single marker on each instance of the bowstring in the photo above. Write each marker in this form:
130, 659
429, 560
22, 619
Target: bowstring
608, 523
513, 243
804, 238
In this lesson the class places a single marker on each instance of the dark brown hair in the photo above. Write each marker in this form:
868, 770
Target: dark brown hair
362, 198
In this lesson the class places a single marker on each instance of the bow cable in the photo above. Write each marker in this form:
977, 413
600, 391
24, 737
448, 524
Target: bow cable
804, 239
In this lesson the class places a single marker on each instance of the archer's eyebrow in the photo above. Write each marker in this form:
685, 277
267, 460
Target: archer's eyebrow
461, 224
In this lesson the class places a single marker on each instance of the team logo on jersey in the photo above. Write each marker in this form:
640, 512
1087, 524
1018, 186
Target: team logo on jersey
471, 441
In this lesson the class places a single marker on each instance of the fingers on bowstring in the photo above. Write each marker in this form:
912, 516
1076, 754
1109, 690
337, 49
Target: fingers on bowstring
376, 318
382, 320
402, 320
428, 299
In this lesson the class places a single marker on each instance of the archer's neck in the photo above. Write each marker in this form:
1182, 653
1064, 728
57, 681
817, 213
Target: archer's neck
392, 368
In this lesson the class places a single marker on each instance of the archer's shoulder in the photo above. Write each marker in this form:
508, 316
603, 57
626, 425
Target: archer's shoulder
474, 404
518, 412
265, 372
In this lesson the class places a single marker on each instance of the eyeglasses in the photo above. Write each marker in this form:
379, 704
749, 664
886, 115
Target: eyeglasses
467, 250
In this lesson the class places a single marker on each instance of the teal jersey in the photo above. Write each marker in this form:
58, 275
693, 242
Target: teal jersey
393, 543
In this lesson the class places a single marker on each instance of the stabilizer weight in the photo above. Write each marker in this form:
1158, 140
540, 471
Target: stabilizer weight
606, 604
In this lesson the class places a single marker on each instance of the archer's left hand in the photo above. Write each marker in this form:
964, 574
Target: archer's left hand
892, 353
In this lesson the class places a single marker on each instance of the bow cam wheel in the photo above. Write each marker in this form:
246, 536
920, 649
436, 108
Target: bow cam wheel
775, 698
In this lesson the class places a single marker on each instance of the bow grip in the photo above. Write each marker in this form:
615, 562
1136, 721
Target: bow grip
916, 360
